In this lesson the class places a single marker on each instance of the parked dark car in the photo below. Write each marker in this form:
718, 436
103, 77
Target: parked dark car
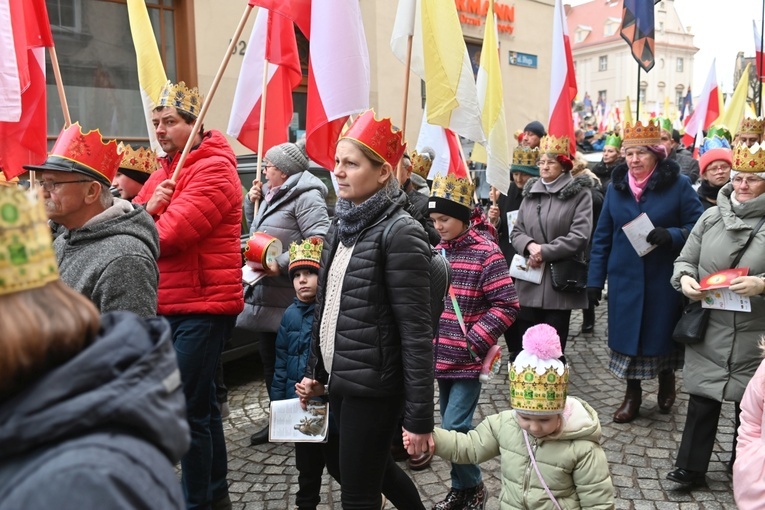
243, 343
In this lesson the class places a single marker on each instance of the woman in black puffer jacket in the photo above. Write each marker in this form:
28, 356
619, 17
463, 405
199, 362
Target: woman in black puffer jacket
372, 337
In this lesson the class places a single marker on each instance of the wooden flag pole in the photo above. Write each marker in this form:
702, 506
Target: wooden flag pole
60, 86
407, 72
211, 92
262, 130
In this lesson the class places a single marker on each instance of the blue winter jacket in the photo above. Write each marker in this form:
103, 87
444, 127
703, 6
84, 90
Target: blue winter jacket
293, 347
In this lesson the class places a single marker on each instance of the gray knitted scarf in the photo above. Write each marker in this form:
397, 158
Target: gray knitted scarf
352, 219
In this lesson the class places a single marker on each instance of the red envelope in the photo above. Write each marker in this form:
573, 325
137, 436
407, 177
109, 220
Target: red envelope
722, 279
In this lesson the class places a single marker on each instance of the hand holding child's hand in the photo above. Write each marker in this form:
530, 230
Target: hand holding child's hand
416, 444
307, 389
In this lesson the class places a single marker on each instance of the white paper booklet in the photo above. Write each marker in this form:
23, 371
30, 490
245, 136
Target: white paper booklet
251, 276
636, 231
290, 424
726, 299
512, 217
520, 269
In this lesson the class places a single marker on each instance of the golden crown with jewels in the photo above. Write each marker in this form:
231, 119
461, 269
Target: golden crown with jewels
554, 145
538, 393
306, 253
751, 126
525, 156
27, 260
421, 164
749, 159
638, 135
141, 160
181, 97
456, 189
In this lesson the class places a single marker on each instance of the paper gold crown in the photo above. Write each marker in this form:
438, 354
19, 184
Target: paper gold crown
525, 156
27, 260
613, 141
181, 97
538, 393
379, 136
421, 164
749, 159
306, 253
553, 145
638, 135
85, 153
453, 188
141, 160
751, 126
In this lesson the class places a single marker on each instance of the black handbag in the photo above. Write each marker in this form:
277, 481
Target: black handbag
568, 275
692, 326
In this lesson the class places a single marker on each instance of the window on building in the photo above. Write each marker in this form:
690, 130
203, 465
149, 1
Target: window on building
680, 65
603, 63
679, 97
98, 64
661, 27
643, 88
609, 29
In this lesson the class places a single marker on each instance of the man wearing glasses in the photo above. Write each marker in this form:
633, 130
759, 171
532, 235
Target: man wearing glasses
106, 249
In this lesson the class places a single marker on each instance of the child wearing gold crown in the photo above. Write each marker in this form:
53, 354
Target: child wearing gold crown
549, 443
483, 305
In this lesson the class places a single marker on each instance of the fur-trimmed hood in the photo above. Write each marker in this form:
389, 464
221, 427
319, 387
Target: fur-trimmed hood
564, 188
665, 176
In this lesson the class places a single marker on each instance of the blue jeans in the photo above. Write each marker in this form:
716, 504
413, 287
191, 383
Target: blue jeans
458, 399
198, 340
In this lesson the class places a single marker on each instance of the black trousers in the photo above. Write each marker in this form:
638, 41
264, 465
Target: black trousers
699, 433
267, 348
310, 459
559, 319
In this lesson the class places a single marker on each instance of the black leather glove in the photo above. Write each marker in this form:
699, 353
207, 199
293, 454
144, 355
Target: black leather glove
659, 236
594, 295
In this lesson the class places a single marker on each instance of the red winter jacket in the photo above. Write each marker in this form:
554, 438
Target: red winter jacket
199, 254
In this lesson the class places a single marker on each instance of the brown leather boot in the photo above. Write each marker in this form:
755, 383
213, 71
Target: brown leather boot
666, 391
628, 411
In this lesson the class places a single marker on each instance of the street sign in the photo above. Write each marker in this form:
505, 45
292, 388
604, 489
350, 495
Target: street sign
522, 59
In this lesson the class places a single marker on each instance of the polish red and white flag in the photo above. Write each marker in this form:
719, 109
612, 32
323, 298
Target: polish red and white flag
563, 87
708, 109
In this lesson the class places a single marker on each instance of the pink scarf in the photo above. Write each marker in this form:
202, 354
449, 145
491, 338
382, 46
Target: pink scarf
638, 186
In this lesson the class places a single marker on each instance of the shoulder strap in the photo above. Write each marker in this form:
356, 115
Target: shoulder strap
748, 242
536, 468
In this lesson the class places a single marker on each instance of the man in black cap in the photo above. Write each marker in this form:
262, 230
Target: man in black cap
532, 134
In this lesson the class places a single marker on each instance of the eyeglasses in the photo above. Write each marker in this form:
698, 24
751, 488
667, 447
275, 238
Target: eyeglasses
51, 186
750, 181
719, 168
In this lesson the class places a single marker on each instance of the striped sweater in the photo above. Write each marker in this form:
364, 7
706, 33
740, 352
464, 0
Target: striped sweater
487, 299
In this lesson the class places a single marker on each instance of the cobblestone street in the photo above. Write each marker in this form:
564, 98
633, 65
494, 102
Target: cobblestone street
640, 453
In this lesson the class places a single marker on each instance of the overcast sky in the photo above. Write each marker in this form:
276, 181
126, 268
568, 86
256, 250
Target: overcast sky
721, 30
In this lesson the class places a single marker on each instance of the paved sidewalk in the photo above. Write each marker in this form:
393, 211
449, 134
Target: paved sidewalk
640, 453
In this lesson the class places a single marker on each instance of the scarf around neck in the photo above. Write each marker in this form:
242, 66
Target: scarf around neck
638, 186
708, 191
352, 218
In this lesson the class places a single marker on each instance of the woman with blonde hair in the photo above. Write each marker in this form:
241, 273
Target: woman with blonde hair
372, 336
91, 409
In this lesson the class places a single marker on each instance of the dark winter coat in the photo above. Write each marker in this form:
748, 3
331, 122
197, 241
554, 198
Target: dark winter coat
643, 308
688, 166
418, 209
103, 430
383, 342
566, 213
603, 172
293, 346
507, 203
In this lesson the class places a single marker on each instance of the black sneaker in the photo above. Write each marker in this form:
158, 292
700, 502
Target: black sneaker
455, 500
475, 498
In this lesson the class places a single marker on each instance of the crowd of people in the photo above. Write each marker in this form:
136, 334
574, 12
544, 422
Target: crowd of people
123, 281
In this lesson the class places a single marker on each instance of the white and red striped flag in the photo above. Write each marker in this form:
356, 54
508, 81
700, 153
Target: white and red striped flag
758, 50
708, 109
562, 81
24, 141
272, 40
445, 145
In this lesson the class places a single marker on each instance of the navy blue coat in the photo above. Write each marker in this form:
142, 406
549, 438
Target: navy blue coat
293, 347
643, 308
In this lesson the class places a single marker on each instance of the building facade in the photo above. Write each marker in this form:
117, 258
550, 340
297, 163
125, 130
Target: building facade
605, 68
98, 66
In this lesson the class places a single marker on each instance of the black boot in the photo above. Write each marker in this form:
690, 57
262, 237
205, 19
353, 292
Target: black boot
628, 411
259, 437
475, 498
454, 500
588, 319
667, 391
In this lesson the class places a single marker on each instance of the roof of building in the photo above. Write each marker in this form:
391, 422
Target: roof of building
594, 16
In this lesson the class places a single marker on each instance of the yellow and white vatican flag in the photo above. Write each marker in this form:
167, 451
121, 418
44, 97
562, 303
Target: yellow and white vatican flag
734, 110
151, 72
440, 58
496, 151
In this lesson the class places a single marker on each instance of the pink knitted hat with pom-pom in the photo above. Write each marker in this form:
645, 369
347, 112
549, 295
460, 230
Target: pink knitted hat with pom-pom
538, 378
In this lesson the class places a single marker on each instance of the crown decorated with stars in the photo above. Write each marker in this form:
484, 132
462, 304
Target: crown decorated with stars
181, 97
538, 378
749, 159
27, 260
421, 164
613, 141
377, 135
554, 145
525, 156
456, 189
637, 135
141, 160
751, 126
306, 253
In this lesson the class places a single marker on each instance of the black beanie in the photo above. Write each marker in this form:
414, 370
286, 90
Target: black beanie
140, 177
536, 127
449, 208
